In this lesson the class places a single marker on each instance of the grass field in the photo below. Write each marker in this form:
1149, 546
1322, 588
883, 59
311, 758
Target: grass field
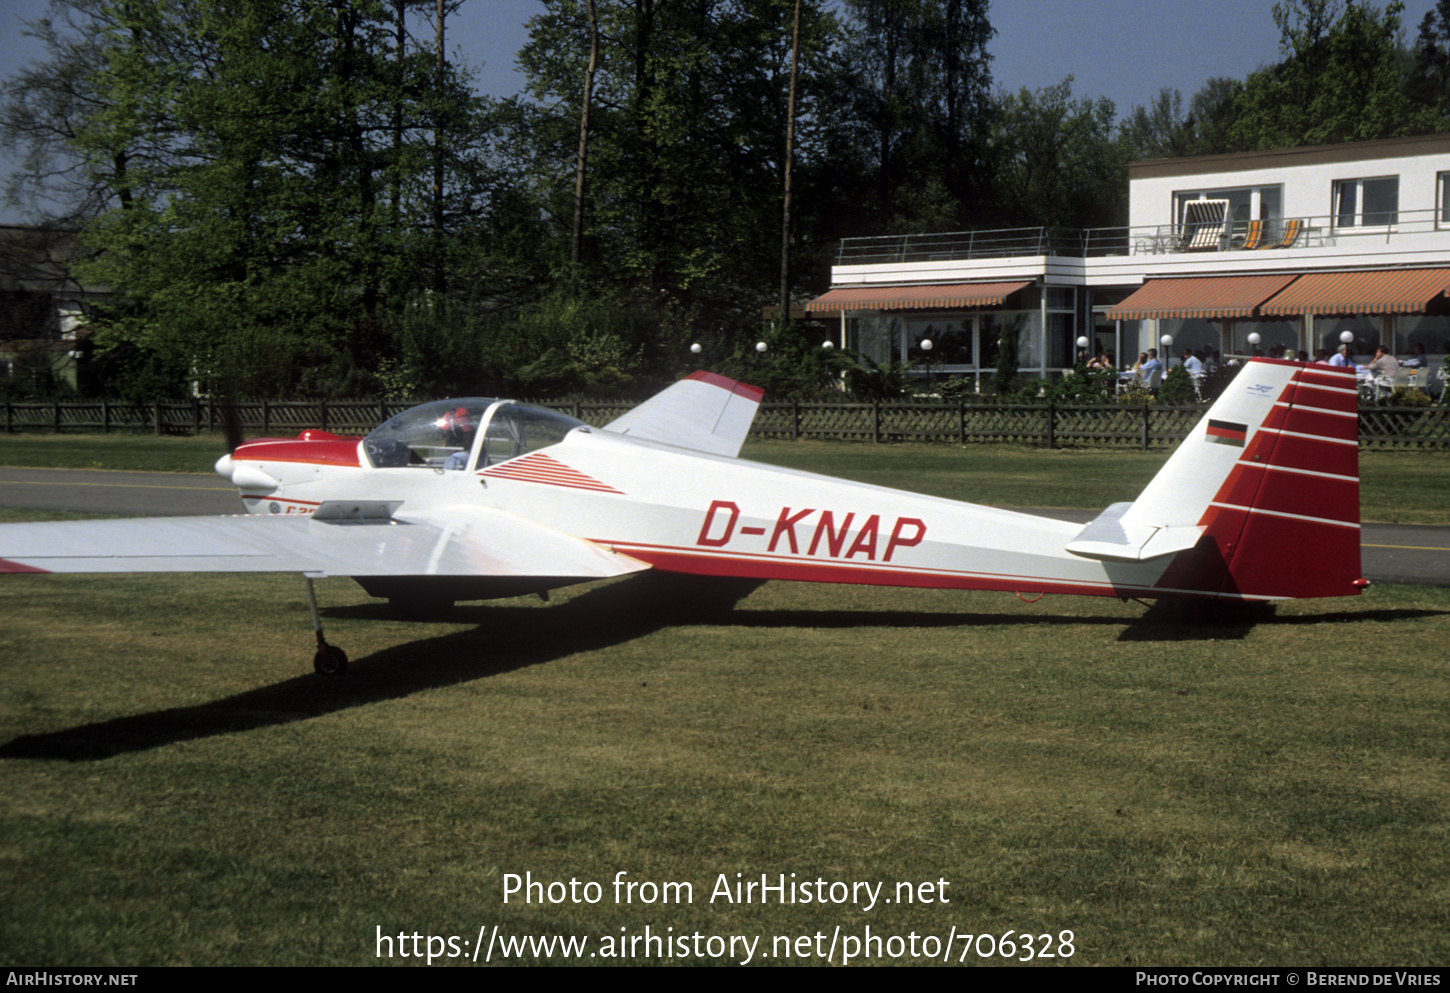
179, 788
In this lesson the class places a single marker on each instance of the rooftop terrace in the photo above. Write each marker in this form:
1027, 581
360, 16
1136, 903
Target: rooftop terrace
1195, 237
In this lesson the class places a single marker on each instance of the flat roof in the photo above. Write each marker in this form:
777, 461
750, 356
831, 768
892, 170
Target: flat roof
1280, 158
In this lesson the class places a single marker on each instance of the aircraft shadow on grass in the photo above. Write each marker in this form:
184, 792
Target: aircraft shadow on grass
511, 638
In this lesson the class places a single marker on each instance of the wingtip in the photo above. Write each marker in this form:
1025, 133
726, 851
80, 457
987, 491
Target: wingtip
754, 393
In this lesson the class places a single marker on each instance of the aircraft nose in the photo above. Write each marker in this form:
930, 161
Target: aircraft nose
246, 476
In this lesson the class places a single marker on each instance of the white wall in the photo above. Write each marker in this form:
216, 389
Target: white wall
1306, 174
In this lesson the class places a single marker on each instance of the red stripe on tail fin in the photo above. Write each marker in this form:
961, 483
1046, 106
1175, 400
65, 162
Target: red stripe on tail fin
1285, 522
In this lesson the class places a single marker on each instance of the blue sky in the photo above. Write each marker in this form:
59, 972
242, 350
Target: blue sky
1125, 50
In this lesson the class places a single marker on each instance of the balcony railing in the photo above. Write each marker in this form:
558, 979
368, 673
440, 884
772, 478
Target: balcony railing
1231, 236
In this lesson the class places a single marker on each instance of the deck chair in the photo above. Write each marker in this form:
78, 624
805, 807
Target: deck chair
1203, 225
1292, 229
1253, 237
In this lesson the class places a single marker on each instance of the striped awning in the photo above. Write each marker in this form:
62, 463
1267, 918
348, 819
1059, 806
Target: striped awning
936, 297
1205, 296
1393, 291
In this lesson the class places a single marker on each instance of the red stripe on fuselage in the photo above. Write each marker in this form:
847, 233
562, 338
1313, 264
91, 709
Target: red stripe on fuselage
668, 558
20, 568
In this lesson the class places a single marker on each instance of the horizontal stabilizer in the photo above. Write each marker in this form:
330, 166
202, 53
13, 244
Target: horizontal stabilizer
703, 412
1109, 536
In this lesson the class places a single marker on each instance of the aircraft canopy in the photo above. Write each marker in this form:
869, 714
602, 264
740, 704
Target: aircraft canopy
454, 434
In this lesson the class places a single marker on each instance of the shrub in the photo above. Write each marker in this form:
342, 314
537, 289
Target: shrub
1177, 387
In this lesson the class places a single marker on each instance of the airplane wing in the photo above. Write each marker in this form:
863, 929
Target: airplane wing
340, 540
703, 412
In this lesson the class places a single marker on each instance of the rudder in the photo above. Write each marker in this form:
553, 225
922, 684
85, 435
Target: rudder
1283, 521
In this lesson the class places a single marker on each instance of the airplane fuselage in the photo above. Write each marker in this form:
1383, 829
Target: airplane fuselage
683, 511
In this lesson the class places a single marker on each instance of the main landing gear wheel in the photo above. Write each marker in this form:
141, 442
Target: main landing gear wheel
330, 661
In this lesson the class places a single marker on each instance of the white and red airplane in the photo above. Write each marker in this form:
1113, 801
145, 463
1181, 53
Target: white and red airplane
476, 498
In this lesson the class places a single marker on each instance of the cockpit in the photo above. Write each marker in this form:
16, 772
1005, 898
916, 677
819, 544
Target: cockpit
473, 432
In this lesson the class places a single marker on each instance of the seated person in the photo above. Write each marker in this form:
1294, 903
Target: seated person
458, 430
1417, 358
1341, 359
1383, 363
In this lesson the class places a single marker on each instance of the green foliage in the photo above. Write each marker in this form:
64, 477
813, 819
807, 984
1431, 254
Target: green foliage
259, 179
37, 373
687, 124
1341, 80
1135, 395
1177, 387
1057, 161
611, 343
910, 113
1405, 397
268, 165
1429, 81
867, 380
1085, 385
1166, 129
962, 388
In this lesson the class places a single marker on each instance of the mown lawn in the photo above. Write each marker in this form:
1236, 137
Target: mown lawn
179, 788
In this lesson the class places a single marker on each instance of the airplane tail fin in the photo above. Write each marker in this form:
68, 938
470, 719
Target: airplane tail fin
1261, 501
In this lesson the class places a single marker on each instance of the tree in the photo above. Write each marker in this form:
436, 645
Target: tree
1057, 161
913, 93
1159, 130
1340, 80
1429, 82
576, 242
42, 109
1166, 129
277, 194
686, 137
1211, 115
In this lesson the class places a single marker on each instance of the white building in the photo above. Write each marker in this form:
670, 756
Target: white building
1296, 245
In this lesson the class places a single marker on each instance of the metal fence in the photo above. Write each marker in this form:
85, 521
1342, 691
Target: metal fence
1049, 425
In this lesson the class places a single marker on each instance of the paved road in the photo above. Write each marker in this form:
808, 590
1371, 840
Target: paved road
124, 494
1392, 553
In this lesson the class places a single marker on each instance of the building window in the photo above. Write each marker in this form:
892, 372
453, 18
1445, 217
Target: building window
1366, 202
952, 342
1442, 198
1245, 203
